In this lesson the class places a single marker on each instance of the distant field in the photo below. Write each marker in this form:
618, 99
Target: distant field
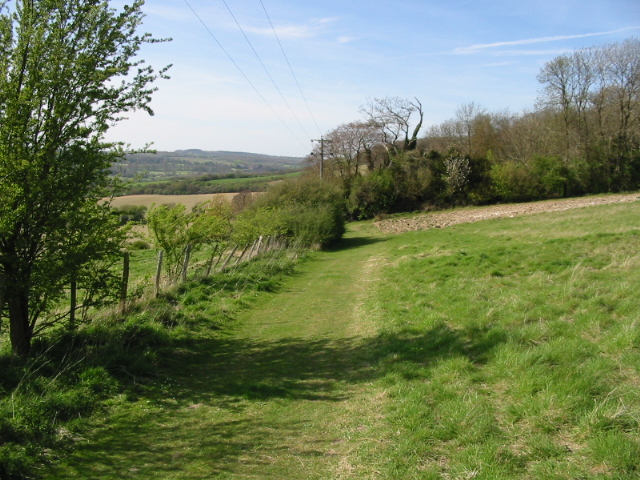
189, 201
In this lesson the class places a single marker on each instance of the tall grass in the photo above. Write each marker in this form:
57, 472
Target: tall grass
511, 349
46, 403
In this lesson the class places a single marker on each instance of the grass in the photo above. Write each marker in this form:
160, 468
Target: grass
514, 347
47, 403
504, 349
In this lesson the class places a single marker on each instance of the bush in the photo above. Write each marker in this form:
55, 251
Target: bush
373, 194
307, 210
139, 245
131, 213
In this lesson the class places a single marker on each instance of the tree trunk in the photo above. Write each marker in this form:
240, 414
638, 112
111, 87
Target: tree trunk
21, 332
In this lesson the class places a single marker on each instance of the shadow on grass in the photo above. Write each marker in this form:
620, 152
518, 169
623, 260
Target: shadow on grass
354, 242
229, 375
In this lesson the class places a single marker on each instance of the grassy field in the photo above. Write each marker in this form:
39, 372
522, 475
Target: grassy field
503, 349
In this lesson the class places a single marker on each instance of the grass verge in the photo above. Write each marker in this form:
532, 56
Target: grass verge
48, 403
511, 348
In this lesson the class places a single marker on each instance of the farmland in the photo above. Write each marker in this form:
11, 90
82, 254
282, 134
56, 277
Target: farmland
189, 201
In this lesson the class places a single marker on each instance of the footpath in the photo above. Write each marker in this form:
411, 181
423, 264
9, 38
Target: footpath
284, 394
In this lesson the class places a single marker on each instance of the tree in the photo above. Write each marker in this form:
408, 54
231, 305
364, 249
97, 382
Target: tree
467, 121
351, 147
393, 117
171, 229
68, 72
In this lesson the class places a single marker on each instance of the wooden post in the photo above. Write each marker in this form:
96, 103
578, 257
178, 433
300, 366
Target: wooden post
210, 264
259, 246
253, 249
73, 304
125, 284
224, 265
185, 265
215, 267
159, 272
244, 250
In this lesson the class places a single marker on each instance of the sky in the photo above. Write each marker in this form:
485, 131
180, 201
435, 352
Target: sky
271, 76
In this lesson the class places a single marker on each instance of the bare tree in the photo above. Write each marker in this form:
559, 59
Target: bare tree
466, 119
393, 115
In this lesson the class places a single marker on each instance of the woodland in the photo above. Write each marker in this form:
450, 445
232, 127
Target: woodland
582, 137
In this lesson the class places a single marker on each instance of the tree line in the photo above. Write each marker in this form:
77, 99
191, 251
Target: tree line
581, 137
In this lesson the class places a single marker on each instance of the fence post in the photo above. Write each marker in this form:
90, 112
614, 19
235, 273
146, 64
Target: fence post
255, 248
125, 284
185, 265
159, 272
73, 302
210, 264
224, 265
215, 267
244, 250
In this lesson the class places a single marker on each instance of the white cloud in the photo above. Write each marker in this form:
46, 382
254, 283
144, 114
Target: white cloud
294, 31
530, 41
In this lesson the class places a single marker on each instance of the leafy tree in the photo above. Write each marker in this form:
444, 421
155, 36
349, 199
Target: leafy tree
171, 229
307, 210
67, 73
212, 224
373, 194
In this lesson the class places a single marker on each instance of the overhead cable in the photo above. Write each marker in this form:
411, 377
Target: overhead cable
264, 67
290, 68
242, 72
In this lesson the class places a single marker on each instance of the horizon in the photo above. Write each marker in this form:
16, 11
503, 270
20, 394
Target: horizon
232, 86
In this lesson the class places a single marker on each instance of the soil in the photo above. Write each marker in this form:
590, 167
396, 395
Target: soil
448, 218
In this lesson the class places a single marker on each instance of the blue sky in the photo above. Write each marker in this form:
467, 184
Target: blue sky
342, 52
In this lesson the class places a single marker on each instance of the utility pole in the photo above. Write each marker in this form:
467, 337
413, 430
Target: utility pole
322, 142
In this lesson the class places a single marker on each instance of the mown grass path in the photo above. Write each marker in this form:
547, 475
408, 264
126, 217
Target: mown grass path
285, 394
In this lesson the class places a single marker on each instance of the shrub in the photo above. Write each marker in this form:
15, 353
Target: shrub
307, 210
373, 194
131, 213
139, 244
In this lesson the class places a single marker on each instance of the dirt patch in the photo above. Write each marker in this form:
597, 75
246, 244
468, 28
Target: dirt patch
446, 219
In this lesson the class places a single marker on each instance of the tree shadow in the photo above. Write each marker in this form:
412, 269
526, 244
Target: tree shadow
349, 243
232, 374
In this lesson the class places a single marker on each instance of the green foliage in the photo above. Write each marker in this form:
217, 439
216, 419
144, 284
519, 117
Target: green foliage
305, 210
67, 73
228, 183
174, 230
45, 401
212, 223
138, 244
542, 178
258, 221
170, 226
373, 194
131, 214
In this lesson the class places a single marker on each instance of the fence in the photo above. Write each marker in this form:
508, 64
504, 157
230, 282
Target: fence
220, 259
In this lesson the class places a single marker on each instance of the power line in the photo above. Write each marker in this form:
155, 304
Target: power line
242, 72
290, 68
264, 67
